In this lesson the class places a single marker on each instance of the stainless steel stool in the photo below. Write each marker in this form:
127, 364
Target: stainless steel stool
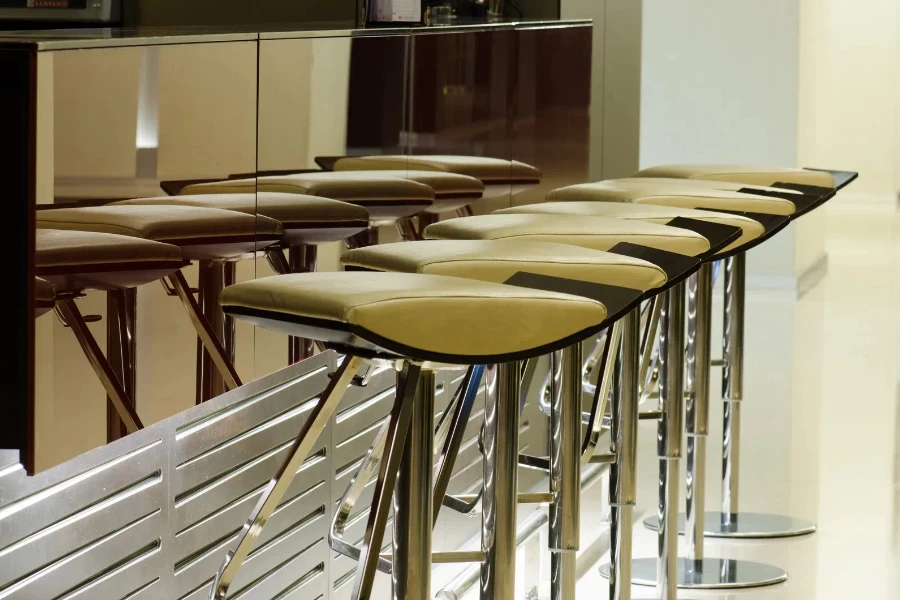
415, 324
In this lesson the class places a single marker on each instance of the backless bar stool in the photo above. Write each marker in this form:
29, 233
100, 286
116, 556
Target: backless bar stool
306, 221
415, 324
645, 240
69, 262
387, 199
202, 234
622, 282
729, 522
501, 177
695, 571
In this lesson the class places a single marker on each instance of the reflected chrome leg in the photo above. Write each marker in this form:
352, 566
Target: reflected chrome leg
301, 259
565, 467
204, 331
407, 382
306, 439
213, 277
114, 390
411, 559
121, 307
696, 571
501, 454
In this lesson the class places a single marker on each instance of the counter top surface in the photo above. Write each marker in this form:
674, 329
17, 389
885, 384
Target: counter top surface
72, 39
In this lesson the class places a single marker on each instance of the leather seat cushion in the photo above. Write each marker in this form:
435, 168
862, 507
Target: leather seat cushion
750, 230
588, 232
726, 186
742, 174
672, 195
66, 248
497, 261
293, 210
486, 169
421, 316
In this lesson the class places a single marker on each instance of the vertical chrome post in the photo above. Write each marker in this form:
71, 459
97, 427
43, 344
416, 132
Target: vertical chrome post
501, 461
733, 383
565, 468
301, 259
121, 308
411, 559
213, 277
669, 439
622, 473
697, 357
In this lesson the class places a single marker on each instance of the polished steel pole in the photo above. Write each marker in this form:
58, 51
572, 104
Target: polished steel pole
411, 562
697, 358
622, 473
669, 439
501, 461
733, 383
565, 469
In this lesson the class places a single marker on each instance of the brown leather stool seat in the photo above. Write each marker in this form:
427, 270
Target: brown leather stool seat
73, 260
201, 233
452, 191
386, 198
499, 176
304, 219
44, 296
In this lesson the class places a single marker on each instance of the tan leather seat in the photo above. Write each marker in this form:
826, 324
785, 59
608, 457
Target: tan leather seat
497, 261
423, 317
755, 175
386, 198
488, 170
662, 215
594, 232
305, 219
74, 260
201, 233
44, 296
671, 195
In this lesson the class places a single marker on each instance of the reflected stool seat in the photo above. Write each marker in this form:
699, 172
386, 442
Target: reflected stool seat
416, 323
69, 262
305, 220
202, 234
385, 198
500, 177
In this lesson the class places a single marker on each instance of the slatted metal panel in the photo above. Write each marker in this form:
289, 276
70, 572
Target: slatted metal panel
152, 515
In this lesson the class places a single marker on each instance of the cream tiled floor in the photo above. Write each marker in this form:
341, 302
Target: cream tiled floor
821, 419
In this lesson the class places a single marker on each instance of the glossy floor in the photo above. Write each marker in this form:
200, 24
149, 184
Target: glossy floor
821, 420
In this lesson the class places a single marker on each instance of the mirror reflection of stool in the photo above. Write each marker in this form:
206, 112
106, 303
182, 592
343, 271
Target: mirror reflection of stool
306, 221
387, 199
415, 324
204, 235
69, 263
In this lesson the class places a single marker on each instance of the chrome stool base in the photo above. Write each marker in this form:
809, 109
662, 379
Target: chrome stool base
713, 573
747, 526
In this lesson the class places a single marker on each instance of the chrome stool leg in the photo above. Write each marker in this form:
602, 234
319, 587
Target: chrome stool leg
565, 469
268, 502
411, 559
696, 571
500, 495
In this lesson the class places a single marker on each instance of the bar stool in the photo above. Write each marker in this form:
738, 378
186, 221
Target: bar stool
638, 239
729, 522
695, 570
67, 263
306, 221
415, 324
622, 282
202, 234
501, 177
387, 199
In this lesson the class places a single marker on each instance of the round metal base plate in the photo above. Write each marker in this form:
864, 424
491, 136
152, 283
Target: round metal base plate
710, 574
747, 526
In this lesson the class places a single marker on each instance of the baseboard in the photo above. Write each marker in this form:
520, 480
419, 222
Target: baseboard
798, 285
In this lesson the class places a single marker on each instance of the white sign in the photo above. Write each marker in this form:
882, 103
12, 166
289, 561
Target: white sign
396, 11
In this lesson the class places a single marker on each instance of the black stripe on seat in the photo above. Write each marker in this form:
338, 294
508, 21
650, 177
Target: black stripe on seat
677, 267
802, 202
719, 235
